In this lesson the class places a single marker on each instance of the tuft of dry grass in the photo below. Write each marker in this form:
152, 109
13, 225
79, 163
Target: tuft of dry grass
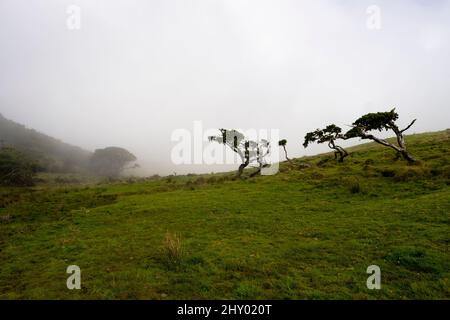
173, 249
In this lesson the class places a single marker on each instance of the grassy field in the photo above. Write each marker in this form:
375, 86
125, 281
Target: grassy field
301, 234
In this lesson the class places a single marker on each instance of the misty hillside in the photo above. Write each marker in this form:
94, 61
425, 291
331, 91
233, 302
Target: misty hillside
300, 234
52, 155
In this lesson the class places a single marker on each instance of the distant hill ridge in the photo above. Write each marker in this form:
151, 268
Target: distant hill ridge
52, 154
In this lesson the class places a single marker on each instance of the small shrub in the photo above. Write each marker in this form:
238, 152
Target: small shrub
387, 173
16, 169
189, 185
355, 187
131, 180
435, 172
369, 171
200, 180
173, 250
212, 180
410, 173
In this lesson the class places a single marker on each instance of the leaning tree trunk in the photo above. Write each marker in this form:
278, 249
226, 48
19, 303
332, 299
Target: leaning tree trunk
339, 151
401, 142
342, 153
400, 149
285, 153
407, 156
258, 171
259, 160
244, 164
241, 168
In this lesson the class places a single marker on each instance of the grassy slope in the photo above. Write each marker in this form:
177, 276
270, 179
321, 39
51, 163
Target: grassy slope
300, 234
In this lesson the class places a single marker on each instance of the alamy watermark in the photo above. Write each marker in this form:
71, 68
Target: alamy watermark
73, 21
257, 146
74, 280
373, 21
374, 280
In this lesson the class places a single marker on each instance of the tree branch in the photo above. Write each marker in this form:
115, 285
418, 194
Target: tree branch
383, 142
410, 125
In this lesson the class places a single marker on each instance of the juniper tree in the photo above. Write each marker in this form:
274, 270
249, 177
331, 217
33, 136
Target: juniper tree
236, 141
111, 161
382, 121
328, 135
249, 151
259, 151
282, 143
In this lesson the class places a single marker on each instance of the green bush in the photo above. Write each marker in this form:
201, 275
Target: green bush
387, 172
15, 168
411, 173
354, 185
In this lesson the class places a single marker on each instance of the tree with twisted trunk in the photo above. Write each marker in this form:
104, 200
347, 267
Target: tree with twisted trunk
260, 150
282, 143
328, 135
249, 151
382, 121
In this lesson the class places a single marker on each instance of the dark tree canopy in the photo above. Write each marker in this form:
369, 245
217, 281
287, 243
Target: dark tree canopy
331, 132
378, 122
110, 161
328, 135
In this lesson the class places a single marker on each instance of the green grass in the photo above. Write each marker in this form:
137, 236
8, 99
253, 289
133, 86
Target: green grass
301, 234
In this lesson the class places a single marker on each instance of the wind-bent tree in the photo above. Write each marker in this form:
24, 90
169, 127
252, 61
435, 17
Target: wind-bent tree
282, 143
236, 141
330, 134
111, 161
259, 151
382, 121
247, 150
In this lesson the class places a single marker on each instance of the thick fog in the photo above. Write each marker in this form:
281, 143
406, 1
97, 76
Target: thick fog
129, 73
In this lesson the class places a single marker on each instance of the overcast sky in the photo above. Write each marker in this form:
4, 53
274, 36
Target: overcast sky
137, 70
